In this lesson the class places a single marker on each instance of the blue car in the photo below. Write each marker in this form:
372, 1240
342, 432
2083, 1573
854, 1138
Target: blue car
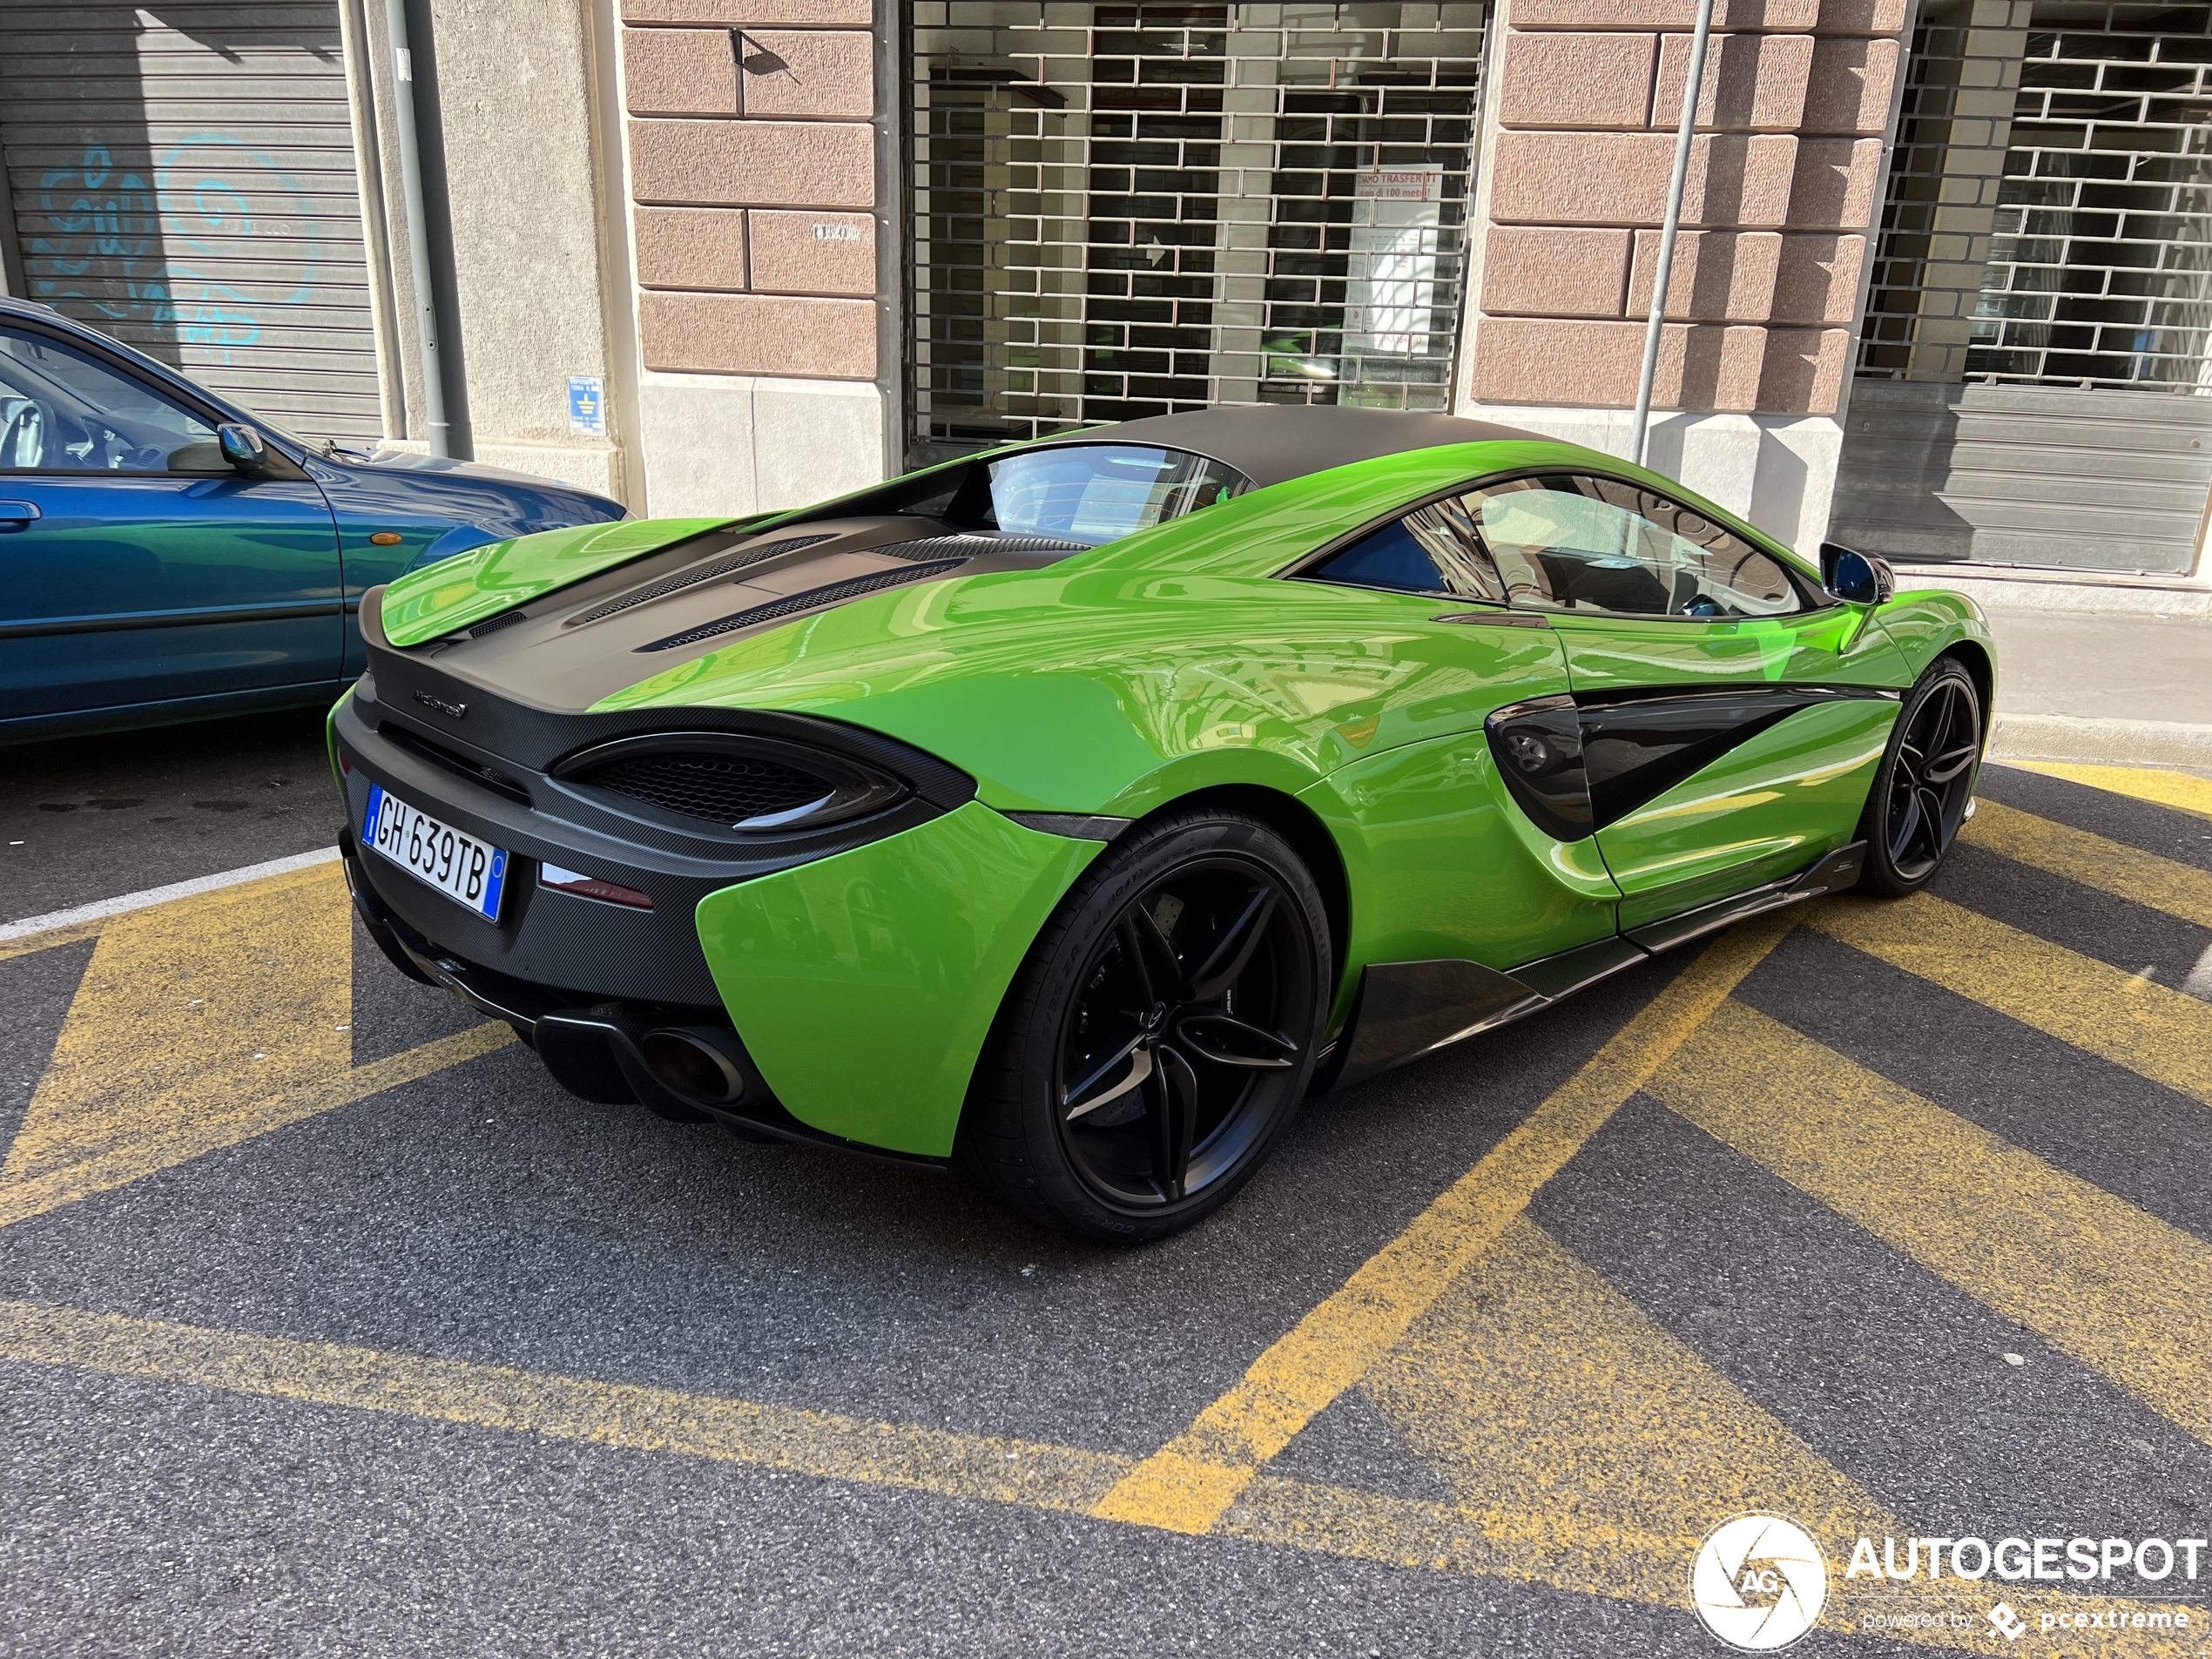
165, 555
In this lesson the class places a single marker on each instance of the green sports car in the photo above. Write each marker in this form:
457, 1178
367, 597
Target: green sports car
1069, 812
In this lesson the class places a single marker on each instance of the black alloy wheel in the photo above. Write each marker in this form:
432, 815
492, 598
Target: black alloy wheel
1926, 785
1160, 1035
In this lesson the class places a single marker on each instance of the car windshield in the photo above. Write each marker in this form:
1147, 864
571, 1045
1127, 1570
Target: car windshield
1096, 492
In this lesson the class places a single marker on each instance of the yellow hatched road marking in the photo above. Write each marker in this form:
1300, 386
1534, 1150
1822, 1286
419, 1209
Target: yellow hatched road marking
1597, 1446
1189, 1483
2126, 1293
947, 1463
2180, 789
2159, 1033
2126, 871
198, 1024
69, 933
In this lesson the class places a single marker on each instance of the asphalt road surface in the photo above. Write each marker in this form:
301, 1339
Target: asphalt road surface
328, 1325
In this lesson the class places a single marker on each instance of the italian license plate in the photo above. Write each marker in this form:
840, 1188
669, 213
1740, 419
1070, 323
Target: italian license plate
463, 868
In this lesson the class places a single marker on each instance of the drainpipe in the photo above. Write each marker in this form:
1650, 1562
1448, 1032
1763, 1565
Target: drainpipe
1692, 86
437, 427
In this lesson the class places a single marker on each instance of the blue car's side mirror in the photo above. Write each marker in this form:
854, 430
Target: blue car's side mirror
1860, 578
243, 447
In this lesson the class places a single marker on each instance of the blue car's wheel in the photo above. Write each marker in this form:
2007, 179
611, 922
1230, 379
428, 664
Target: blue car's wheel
1160, 1036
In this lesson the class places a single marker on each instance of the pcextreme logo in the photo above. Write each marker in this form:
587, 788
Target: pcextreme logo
1758, 1581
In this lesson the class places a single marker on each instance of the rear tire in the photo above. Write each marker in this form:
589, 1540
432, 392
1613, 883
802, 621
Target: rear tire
1925, 784
1160, 1036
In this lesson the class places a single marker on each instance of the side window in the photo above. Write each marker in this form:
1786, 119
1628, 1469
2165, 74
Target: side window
1585, 543
1432, 550
62, 410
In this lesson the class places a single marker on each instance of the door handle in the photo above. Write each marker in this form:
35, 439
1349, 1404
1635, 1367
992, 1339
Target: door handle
18, 512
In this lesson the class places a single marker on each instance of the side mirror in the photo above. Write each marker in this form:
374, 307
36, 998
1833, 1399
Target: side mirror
243, 447
1860, 578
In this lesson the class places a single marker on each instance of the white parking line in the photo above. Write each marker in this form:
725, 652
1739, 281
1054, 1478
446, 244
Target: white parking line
107, 907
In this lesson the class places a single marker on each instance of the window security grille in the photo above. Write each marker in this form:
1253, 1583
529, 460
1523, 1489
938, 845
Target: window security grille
1127, 210
2049, 215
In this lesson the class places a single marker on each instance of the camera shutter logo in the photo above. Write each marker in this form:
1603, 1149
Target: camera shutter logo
1758, 1581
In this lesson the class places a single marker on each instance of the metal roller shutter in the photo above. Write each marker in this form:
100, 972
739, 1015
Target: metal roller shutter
1124, 210
182, 177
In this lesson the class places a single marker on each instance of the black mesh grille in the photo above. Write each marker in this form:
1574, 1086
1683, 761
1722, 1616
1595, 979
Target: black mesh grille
809, 600
492, 627
726, 788
937, 547
708, 572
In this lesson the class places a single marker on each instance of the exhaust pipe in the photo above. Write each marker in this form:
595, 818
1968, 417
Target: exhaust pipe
699, 1064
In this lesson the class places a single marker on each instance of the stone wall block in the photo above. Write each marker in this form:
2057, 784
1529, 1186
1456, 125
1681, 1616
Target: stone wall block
692, 247
1719, 276
751, 334
1736, 181
1553, 272
1817, 279
1620, 179
1785, 16
765, 14
679, 71
1547, 360
1715, 368
768, 164
814, 253
823, 74
1574, 178
1753, 82
1861, 17
1852, 80
1803, 370
1837, 183
1577, 80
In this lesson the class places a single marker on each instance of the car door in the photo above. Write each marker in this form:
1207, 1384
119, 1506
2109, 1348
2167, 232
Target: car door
1732, 716
137, 566
1456, 870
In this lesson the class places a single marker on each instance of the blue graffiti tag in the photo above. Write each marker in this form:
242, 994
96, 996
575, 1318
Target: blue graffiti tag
122, 252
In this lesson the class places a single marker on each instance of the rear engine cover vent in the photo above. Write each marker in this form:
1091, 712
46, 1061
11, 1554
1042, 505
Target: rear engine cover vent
938, 547
714, 569
726, 789
505, 620
830, 594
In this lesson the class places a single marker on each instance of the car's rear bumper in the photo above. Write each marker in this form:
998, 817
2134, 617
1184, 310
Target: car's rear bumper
860, 967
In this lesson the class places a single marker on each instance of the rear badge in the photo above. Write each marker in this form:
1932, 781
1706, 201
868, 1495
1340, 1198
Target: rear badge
451, 711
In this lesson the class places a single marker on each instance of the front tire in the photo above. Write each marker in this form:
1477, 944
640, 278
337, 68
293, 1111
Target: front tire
1159, 1038
1925, 784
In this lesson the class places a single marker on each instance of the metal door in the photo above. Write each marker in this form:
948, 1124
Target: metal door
1121, 210
182, 177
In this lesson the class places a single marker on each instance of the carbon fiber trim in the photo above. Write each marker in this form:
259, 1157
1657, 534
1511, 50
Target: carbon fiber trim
714, 570
812, 599
932, 547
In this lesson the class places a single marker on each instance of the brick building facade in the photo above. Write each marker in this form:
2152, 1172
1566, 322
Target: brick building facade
1944, 282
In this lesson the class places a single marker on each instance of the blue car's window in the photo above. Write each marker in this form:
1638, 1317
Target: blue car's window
62, 410
1432, 550
1096, 492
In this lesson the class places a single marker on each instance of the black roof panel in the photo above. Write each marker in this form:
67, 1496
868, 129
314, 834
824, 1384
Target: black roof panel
1272, 443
